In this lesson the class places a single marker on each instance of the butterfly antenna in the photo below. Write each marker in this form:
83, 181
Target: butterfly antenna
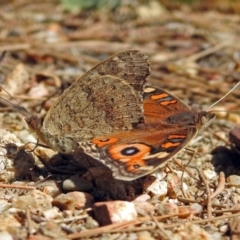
219, 100
17, 107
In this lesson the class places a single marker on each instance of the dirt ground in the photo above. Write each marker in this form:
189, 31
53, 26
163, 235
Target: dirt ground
193, 52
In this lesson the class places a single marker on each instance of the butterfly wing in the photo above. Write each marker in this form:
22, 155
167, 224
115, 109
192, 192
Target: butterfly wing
160, 104
169, 125
106, 99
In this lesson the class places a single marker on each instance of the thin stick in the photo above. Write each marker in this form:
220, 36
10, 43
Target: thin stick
29, 222
14, 186
221, 185
164, 235
209, 198
208, 51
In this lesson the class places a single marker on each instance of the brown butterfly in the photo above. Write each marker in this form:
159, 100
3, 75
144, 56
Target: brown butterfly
112, 116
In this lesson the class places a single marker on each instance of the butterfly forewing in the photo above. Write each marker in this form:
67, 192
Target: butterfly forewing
105, 99
160, 104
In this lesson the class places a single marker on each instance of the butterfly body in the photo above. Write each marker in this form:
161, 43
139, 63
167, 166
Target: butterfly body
112, 116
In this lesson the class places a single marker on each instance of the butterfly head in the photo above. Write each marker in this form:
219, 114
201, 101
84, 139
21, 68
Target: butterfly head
204, 118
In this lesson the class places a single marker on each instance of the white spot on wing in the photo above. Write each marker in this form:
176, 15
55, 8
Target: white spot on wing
149, 89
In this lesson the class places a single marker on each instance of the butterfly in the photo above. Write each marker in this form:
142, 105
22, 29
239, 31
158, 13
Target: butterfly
111, 115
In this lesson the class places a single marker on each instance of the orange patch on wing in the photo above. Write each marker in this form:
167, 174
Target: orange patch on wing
159, 96
170, 144
176, 136
166, 103
101, 142
134, 165
116, 152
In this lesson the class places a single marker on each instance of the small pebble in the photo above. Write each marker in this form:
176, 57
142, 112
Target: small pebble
91, 223
160, 174
73, 201
143, 208
234, 181
196, 207
235, 197
114, 211
76, 183
35, 200
142, 198
4, 235
51, 213
234, 117
224, 228
144, 235
158, 188
52, 230
50, 187
7, 220
51, 191
174, 185
4, 205
167, 208
186, 211
209, 174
